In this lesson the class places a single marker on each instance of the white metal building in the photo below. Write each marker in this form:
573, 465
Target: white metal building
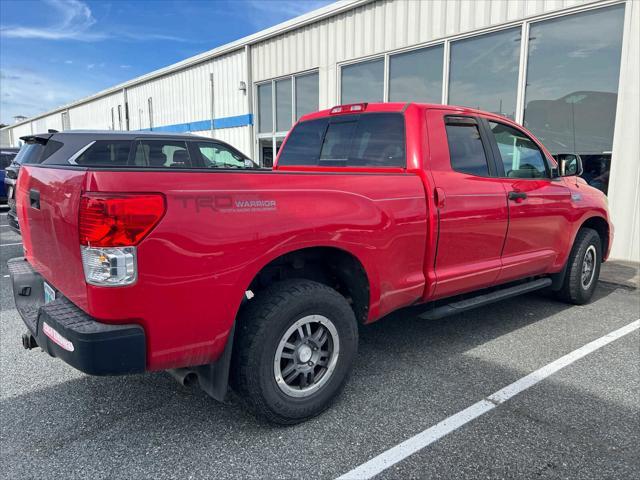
566, 69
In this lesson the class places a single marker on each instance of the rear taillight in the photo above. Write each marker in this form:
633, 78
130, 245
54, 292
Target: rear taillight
111, 225
118, 220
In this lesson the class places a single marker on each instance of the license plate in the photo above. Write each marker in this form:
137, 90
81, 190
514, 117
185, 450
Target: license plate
49, 293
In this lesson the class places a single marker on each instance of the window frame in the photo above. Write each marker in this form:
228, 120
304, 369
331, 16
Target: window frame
499, 164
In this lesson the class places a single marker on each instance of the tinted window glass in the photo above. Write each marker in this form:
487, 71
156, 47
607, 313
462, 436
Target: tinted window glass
363, 82
304, 143
265, 112
466, 150
5, 160
484, 72
416, 76
106, 153
307, 90
375, 140
337, 141
520, 156
162, 154
215, 155
37, 152
379, 141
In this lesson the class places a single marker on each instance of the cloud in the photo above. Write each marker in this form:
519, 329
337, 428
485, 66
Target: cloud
68, 62
125, 66
26, 92
76, 22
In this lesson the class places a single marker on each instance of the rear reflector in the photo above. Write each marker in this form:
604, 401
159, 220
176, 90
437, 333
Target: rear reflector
118, 220
351, 108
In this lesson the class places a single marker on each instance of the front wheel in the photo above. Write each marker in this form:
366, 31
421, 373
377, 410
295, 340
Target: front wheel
294, 348
583, 268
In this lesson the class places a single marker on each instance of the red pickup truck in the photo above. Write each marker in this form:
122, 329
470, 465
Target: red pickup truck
154, 253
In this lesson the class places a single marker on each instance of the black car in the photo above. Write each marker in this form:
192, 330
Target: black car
113, 149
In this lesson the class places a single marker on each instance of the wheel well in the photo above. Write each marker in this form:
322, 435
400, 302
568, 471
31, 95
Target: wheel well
601, 226
333, 267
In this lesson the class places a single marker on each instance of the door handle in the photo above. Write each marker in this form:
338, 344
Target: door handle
34, 198
515, 196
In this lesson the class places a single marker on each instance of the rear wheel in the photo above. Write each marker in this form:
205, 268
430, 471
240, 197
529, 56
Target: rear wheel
294, 348
583, 268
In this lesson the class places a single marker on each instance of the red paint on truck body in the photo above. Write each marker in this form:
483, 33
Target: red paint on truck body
221, 228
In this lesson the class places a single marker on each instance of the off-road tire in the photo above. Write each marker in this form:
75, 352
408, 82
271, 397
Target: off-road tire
259, 329
573, 289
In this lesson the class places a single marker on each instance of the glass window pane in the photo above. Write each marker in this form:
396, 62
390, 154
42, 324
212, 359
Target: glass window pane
466, 151
283, 105
363, 82
337, 141
157, 154
266, 152
520, 156
416, 76
572, 81
307, 90
106, 153
215, 155
265, 112
304, 143
484, 72
379, 141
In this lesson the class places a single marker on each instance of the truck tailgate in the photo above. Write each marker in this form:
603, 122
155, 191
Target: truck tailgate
47, 205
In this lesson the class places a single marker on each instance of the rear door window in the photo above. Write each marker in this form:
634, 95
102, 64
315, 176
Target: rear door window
365, 140
106, 153
37, 152
162, 154
466, 150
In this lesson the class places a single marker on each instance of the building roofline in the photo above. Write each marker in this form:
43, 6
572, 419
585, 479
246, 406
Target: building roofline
278, 29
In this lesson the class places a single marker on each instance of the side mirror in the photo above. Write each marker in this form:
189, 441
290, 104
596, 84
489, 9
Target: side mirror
570, 164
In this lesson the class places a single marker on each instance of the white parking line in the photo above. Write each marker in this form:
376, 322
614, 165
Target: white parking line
9, 244
425, 438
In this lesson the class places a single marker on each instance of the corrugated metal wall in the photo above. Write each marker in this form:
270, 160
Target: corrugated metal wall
381, 26
177, 98
96, 114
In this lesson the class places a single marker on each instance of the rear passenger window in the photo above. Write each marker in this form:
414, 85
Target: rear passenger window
521, 157
162, 154
365, 140
106, 153
466, 150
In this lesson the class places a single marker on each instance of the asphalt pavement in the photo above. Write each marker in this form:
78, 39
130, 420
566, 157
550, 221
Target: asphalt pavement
581, 422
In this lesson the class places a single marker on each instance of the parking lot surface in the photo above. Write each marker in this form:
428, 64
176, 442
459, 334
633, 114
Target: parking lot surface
581, 422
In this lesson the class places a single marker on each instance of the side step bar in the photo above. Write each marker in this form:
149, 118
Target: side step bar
484, 299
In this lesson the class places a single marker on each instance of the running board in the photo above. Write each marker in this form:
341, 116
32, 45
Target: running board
484, 299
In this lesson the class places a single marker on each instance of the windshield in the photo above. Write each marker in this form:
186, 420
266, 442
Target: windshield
217, 155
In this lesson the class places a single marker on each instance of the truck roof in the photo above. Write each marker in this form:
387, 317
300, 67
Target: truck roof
395, 107
116, 134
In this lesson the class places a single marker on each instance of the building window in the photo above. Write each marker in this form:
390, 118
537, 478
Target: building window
265, 108
295, 96
483, 72
363, 82
572, 86
283, 105
416, 76
307, 93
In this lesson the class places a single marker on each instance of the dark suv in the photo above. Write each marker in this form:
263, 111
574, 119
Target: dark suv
6, 158
124, 149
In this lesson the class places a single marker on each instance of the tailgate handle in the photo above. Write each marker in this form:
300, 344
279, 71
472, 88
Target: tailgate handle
34, 198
